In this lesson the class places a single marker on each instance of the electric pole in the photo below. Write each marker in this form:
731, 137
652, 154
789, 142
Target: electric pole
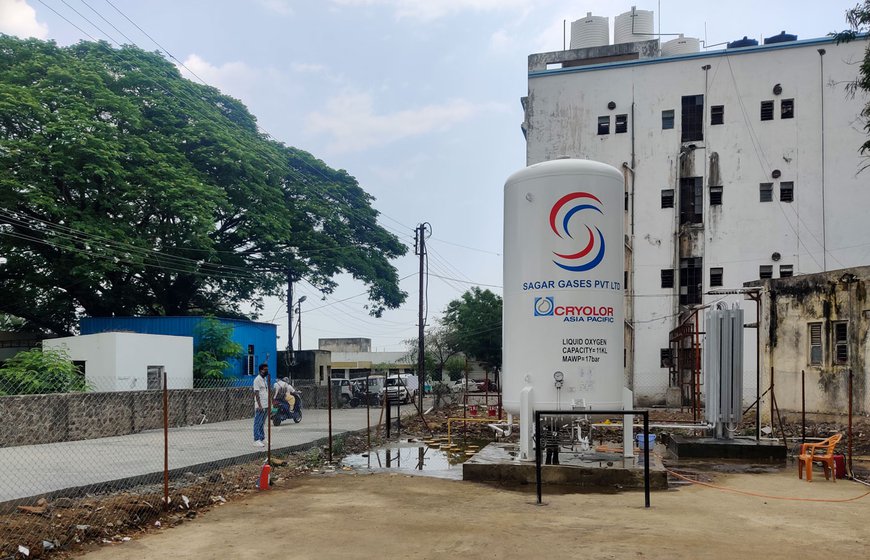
289, 354
420, 249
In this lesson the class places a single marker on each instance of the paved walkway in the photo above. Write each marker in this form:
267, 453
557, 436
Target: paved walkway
92, 465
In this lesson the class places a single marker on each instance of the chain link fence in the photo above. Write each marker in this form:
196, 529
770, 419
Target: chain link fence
86, 464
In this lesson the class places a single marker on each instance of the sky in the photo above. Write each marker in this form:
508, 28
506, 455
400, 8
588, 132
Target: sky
418, 99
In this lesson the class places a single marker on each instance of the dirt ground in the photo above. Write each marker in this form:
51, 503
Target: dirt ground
313, 514
347, 516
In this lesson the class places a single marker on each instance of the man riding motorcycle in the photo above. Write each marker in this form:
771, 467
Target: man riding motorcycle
286, 398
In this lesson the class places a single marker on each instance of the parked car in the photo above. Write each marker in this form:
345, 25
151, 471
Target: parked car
459, 386
400, 387
346, 389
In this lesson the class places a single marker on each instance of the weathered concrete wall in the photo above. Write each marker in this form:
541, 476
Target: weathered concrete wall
36, 419
789, 306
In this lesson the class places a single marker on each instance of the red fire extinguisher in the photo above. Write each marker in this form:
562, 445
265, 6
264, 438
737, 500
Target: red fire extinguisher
265, 476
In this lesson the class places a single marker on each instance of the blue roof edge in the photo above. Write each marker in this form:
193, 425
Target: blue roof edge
690, 56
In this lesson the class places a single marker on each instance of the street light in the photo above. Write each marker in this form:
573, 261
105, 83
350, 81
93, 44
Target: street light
299, 319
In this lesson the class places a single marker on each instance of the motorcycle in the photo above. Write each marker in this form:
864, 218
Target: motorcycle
283, 410
360, 396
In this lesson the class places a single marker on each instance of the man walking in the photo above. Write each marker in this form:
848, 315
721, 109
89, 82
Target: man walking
261, 401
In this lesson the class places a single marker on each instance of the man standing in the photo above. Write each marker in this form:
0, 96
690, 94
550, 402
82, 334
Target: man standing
261, 401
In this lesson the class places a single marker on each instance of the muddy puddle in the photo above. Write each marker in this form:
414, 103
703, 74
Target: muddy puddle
425, 458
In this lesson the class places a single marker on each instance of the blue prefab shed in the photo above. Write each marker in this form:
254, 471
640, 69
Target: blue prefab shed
258, 340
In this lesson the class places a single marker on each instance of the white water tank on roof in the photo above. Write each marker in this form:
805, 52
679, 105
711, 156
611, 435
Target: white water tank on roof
681, 45
591, 31
642, 30
563, 322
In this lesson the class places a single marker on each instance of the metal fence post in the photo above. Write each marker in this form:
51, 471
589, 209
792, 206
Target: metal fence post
165, 444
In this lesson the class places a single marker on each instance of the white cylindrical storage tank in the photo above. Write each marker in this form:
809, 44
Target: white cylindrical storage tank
591, 31
681, 45
642, 30
563, 293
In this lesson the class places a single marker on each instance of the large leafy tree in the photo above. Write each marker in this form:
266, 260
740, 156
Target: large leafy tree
475, 320
859, 27
126, 189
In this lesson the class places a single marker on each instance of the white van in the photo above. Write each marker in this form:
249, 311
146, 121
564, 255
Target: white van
400, 386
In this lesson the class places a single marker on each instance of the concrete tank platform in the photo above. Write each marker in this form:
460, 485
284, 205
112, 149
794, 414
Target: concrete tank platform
497, 463
745, 449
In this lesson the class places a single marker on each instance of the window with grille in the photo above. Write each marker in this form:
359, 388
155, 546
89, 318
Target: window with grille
603, 125
621, 124
666, 357
787, 109
765, 271
716, 277
715, 195
765, 192
717, 114
667, 119
691, 200
841, 342
667, 198
815, 343
767, 110
786, 191
786, 271
691, 280
692, 118
667, 278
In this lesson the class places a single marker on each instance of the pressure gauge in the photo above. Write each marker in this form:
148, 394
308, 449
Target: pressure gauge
559, 376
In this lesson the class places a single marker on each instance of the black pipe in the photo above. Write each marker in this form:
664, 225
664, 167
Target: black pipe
538, 468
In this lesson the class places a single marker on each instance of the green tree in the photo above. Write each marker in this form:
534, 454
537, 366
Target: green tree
39, 371
126, 189
440, 346
859, 27
214, 349
475, 320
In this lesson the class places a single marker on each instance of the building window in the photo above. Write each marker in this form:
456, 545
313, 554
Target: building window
667, 278
625, 280
667, 119
786, 191
841, 342
666, 357
767, 110
765, 192
815, 343
691, 281
715, 277
621, 124
717, 114
765, 271
691, 200
692, 118
786, 271
786, 109
603, 125
715, 195
667, 198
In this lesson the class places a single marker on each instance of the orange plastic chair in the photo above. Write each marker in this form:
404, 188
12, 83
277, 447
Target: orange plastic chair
821, 452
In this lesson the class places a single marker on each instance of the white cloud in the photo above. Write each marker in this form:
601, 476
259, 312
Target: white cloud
428, 10
281, 7
501, 41
308, 68
351, 120
19, 19
233, 78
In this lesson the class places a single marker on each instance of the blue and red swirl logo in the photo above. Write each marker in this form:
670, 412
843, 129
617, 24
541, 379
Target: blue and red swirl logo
566, 208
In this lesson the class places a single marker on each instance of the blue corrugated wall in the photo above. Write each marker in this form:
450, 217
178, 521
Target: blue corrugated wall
263, 336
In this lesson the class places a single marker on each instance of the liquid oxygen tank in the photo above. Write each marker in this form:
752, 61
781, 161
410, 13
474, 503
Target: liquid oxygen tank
563, 285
